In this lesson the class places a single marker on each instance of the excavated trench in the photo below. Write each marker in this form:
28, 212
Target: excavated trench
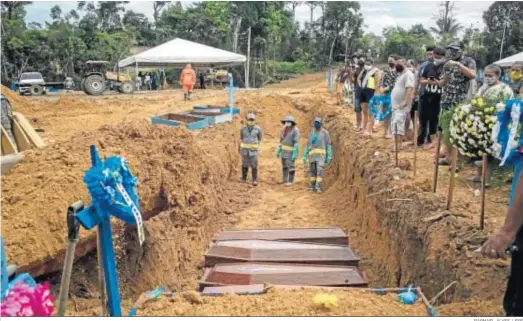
392, 222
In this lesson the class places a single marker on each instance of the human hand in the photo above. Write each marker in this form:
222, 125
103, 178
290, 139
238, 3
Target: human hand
497, 244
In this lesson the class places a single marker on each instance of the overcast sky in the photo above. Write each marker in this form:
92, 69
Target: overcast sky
377, 14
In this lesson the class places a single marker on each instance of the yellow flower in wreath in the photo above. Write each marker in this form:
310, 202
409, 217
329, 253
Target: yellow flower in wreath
480, 102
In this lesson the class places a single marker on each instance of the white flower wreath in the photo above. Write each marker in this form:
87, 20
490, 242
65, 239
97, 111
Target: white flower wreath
471, 127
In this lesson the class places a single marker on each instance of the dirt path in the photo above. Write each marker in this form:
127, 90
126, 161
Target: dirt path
278, 205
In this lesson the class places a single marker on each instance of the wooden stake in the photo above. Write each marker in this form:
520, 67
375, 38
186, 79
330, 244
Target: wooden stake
441, 292
415, 143
452, 177
483, 190
436, 165
101, 278
396, 143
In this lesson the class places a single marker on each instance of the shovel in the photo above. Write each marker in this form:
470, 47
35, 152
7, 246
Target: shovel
72, 235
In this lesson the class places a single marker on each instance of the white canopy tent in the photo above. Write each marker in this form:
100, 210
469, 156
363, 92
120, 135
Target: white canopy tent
507, 62
179, 52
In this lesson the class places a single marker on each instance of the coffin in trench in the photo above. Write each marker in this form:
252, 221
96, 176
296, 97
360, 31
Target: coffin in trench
231, 251
283, 274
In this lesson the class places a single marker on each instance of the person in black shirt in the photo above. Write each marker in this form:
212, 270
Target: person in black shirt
430, 99
202, 80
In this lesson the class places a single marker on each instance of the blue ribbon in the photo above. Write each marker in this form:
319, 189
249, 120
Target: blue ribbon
504, 119
380, 106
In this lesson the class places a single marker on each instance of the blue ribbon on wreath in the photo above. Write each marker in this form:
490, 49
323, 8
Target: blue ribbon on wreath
380, 106
504, 119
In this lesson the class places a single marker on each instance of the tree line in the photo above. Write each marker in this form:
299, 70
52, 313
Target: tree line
105, 30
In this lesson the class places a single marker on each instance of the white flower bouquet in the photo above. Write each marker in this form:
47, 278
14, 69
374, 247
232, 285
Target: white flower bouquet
471, 128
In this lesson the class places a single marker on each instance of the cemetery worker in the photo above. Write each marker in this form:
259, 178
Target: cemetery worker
250, 136
516, 79
187, 80
497, 245
288, 149
318, 151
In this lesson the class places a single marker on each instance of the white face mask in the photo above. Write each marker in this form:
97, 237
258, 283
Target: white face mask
438, 62
367, 67
490, 80
286, 124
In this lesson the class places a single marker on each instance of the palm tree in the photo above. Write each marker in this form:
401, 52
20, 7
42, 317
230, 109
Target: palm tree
447, 26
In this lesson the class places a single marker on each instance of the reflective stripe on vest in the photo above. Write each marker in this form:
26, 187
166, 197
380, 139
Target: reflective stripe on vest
249, 146
288, 148
317, 151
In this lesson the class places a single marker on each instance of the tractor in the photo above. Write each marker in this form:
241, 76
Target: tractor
97, 79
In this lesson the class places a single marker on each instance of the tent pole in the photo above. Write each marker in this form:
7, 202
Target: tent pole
136, 73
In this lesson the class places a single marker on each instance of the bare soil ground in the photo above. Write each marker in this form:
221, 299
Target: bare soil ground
190, 191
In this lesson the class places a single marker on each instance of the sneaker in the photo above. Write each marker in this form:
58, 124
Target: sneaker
281, 182
254, 183
288, 184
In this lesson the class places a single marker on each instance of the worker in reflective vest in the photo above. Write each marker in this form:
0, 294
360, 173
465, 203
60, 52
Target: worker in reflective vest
318, 151
288, 149
250, 136
187, 80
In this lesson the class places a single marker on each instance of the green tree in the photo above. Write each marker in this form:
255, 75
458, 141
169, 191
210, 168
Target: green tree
447, 25
502, 16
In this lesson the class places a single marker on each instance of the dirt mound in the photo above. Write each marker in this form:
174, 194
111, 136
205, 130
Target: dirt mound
399, 227
280, 302
15, 99
176, 180
473, 309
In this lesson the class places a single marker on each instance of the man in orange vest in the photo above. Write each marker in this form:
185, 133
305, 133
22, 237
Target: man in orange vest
187, 80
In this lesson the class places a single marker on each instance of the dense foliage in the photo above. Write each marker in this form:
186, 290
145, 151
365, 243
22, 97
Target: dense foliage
107, 31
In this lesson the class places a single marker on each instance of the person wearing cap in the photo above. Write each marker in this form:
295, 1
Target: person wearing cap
319, 152
456, 80
187, 80
250, 136
288, 149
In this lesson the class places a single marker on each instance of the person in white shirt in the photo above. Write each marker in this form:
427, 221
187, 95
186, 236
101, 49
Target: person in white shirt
401, 98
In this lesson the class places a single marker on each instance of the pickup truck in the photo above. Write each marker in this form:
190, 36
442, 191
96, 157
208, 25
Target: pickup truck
34, 84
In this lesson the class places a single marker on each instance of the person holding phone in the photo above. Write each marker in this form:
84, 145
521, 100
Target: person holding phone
430, 99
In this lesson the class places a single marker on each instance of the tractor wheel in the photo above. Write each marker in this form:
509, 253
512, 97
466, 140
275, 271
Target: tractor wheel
126, 87
94, 85
36, 90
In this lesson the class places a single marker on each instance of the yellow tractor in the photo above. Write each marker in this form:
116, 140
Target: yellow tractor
97, 79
